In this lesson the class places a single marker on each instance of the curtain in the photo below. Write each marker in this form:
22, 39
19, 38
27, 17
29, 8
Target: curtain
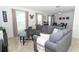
26, 17
15, 29
43, 19
14, 22
36, 19
52, 19
48, 19
39, 18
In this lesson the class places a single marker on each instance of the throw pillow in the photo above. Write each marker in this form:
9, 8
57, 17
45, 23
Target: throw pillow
56, 36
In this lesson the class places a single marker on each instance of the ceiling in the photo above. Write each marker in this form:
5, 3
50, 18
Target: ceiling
51, 9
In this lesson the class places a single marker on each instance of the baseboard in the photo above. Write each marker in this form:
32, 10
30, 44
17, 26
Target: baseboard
11, 37
75, 38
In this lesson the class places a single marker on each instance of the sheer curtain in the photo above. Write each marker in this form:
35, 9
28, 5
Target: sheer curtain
14, 22
39, 19
21, 21
49, 20
52, 19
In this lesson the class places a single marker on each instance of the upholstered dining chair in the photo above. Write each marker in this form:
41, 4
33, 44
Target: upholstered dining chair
23, 36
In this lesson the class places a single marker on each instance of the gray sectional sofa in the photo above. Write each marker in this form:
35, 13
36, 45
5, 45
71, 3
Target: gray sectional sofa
58, 42
44, 29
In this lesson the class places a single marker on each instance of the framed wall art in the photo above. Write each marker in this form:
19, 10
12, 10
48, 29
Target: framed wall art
67, 18
4, 13
63, 18
59, 18
31, 16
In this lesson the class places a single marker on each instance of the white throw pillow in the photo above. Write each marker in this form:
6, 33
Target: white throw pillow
55, 30
54, 37
41, 34
42, 39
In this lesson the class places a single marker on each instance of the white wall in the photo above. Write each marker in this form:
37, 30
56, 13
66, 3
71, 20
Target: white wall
9, 25
32, 22
69, 14
0, 22
76, 23
0, 19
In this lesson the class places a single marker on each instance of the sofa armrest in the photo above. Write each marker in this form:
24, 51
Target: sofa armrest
50, 46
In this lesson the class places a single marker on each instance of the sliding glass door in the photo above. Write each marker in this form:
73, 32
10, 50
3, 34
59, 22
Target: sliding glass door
39, 19
21, 21
49, 20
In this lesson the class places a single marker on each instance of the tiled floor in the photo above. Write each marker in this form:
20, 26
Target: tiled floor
16, 46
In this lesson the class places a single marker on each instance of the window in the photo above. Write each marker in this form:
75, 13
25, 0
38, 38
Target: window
49, 20
20, 17
39, 19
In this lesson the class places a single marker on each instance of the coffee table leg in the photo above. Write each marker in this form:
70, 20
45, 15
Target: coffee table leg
23, 41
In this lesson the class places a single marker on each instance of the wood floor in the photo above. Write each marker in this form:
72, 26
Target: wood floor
74, 46
16, 46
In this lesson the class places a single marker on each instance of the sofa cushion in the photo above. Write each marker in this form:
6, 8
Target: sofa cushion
55, 30
45, 29
50, 29
44, 35
42, 39
39, 27
54, 37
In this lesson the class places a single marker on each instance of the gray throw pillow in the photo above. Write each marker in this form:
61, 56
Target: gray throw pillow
54, 37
